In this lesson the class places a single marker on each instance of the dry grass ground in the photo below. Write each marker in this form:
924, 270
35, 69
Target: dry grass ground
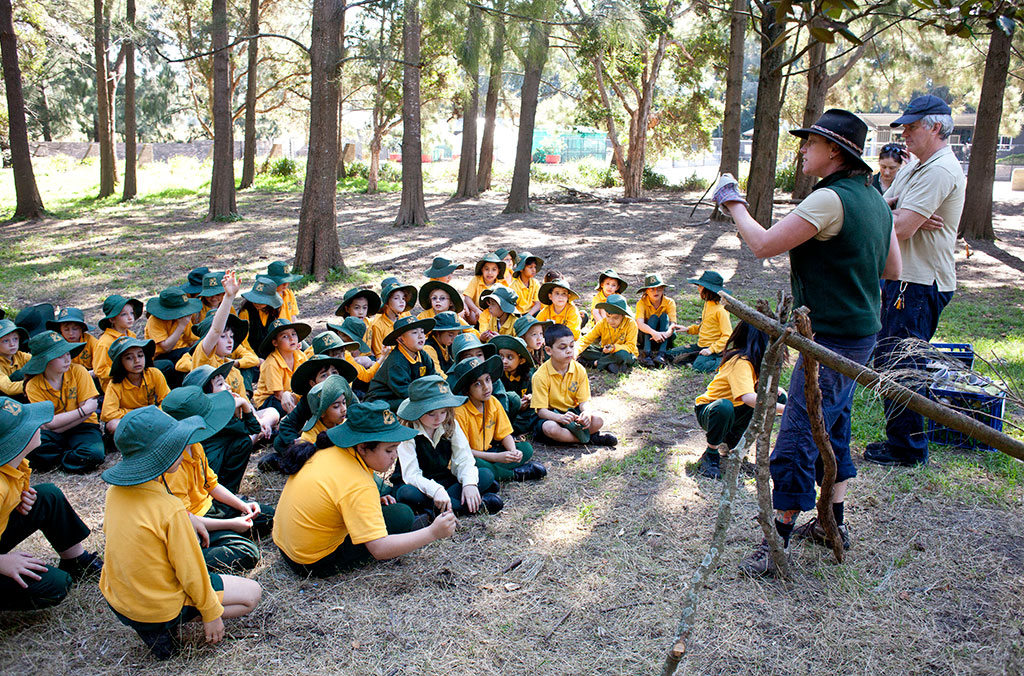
583, 572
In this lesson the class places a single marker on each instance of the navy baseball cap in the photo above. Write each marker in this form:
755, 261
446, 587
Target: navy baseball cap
928, 104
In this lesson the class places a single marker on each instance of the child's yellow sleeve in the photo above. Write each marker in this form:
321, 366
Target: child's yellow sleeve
594, 335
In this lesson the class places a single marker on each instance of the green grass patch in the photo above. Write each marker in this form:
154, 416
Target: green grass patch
967, 477
644, 463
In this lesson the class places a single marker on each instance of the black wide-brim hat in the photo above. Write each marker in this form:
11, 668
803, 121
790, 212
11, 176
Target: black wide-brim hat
843, 128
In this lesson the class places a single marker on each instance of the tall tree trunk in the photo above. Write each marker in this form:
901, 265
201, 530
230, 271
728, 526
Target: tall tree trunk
731, 131
497, 58
467, 179
317, 251
249, 152
341, 100
44, 114
130, 129
108, 171
817, 88
222, 183
373, 175
632, 179
536, 57
765, 146
29, 203
976, 221
413, 210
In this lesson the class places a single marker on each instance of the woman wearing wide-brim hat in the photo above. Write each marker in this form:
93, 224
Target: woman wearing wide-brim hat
841, 242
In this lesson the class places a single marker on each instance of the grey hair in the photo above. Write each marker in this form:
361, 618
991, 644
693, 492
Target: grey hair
945, 120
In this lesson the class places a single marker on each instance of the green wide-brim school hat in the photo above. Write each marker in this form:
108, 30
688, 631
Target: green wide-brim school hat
616, 305
544, 295
611, 274
369, 422
325, 341
215, 409
34, 318
527, 322
489, 258
406, 324
213, 284
427, 394
373, 301
353, 328
201, 376
7, 326
448, 321
112, 306
264, 292
122, 344
18, 424
524, 260
710, 280
431, 286
150, 442
46, 346
504, 296
194, 281
466, 372
653, 282
441, 267
394, 285
278, 271
69, 315
517, 345
172, 303
239, 327
468, 341
323, 395
501, 252
275, 328
307, 370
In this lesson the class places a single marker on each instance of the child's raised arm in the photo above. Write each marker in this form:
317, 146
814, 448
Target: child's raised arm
220, 319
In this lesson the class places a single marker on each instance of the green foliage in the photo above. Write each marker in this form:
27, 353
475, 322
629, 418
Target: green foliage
652, 180
693, 182
1016, 158
598, 176
283, 167
785, 177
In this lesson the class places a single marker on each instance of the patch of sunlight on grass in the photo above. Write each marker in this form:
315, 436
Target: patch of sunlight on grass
561, 528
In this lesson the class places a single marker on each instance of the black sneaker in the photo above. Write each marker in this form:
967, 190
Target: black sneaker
710, 466
815, 532
492, 502
162, 643
760, 563
603, 439
531, 471
882, 454
86, 566
613, 369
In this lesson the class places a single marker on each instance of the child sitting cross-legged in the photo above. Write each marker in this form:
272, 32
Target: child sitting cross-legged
532, 333
447, 328
134, 381
468, 345
398, 300
404, 364
71, 324
500, 314
656, 321
169, 326
712, 330
12, 359
281, 357
278, 271
611, 344
437, 469
517, 379
608, 283
261, 307
486, 425
524, 283
559, 303
154, 577
489, 271
119, 315
350, 333
561, 393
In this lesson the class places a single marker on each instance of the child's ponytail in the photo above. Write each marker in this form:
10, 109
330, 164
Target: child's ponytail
746, 342
296, 455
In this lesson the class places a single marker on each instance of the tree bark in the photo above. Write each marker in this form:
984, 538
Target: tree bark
44, 115
765, 145
467, 178
497, 58
976, 221
341, 98
130, 128
413, 209
249, 152
373, 175
731, 131
222, 183
29, 203
817, 87
104, 111
536, 57
317, 250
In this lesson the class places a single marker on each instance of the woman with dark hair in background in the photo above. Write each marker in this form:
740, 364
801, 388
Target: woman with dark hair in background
890, 158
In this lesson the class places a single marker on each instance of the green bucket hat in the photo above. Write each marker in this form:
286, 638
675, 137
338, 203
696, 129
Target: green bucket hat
112, 306
194, 282
278, 271
308, 369
544, 295
616, 305
352, 328
373, 301
504, 296
524, 260
442, 267
7, 326
517, 345
213, 284
369, 422
406, 324
468, 341
653, 282
239, 327
323, 395
466, 372
69, 315
172, 303
611, 274
46, 346
391, 285
527, 322
120, 346
264, 292
215, 409
18, 424
201, 376
329, 340
710, 280
278, 326
448, 321
431, 286
490, 258
34, 318
501, 252
150, 442
427, 394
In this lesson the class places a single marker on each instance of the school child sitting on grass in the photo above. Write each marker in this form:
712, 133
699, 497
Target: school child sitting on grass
220, 517
211, 294
313, 371
72, 439
437, 297
608, 283
331, 516
468, 345
261, 305
404, 364
27, 582
486, 425
489, 271
436, 469
154, 576
532, 332
281, 357
398, 301
559, 303
441, 270
194, 281
278, 271
356, 352
611, 344
70, 323
724, 410
169, 326
134, 381
656, 321
517, 378
500, 314
119, 315
13, 359
509, 258
524, 283
447, 328
561, 394
361, 304
712, 330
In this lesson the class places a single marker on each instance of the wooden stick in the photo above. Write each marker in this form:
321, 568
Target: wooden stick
557, 625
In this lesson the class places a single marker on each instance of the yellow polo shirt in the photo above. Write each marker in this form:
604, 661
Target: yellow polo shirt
124, 396
714, 327
483, 428
290, 306
276, 376
88, 354
489, 322
527, 293
380, 328
732, 380
310, 435
158, 330
76, 388
569, 316
101, 358
363, 374
477, 286
599, 298
233, 379
193, 481
13, 480
557, 392
622, 338
8, 387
